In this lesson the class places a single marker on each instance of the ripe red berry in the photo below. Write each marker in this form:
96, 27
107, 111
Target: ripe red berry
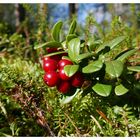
51, 78
64, 62
56, 57
49, 65
62, 75
77, 79
45, 58
51, 50
64, 54
63, 86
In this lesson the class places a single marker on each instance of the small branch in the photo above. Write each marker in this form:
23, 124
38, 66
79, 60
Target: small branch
103, 116
96, 122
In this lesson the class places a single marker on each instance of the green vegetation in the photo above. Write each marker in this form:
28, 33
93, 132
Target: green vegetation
107, 104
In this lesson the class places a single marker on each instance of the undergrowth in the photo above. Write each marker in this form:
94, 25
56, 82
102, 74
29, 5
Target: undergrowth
21, 86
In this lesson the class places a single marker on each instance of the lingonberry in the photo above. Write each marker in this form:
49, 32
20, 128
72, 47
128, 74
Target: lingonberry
63, 86
77, 79
57, 57
64, 62
49, 65
51, 78
45, 58
62, 75
51, 50
54, 57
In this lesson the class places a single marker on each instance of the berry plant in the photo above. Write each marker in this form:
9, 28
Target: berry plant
75, 65
69, 80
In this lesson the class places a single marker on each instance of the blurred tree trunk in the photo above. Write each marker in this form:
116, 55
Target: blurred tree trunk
72, 9
19, 14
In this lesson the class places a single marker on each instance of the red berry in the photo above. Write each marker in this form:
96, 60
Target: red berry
51, 78
62, 75
63, 86
51, 50
64, 54
45, 58
49, 65
56, 57
77, 79
64, 62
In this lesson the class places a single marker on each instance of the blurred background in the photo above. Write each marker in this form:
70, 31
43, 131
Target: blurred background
14, 14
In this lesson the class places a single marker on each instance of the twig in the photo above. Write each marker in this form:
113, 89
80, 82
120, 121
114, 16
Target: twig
103, 116
96, 122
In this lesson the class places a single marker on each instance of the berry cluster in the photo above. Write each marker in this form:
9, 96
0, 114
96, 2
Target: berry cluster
55, 75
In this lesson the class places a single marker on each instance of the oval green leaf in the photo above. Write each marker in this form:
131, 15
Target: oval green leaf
120, 90
92, 44
83, 56
102, 89
134, 68
55, 53
56, 31
126, 55
67, 99
74, 48
40, 45
72, 27
112, 44
66, 57
93, 67
70, 37
70, 70
114, 68
53, 44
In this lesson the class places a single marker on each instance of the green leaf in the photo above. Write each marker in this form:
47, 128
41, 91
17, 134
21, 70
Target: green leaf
120, 90
134, 68
83, 56
93, 67
66, 57
113, 43
72, 27
67, 99
82, 44
3, 109
102, 89
104, 51
70, 37
93, 44
56, 31
53, 44
116, 41
5, 135
126, 55
40, 46
64, 46
74, 48
114, 68
55, 53
70, 70
136, 60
